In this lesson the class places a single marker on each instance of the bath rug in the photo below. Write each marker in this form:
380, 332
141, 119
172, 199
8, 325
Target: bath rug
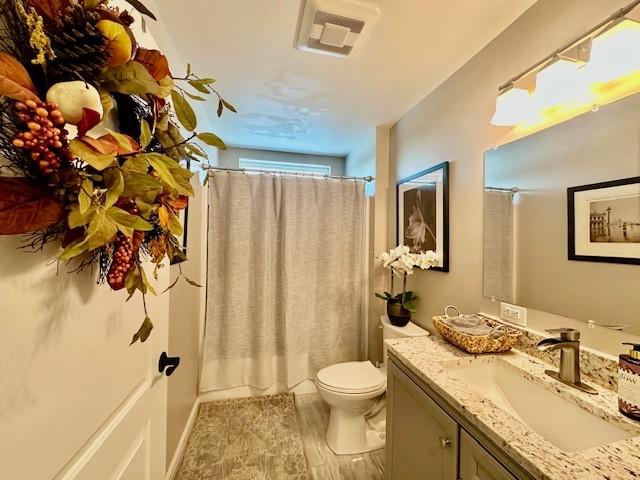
255, 438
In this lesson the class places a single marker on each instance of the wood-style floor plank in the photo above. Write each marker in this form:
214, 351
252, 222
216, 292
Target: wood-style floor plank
313, 416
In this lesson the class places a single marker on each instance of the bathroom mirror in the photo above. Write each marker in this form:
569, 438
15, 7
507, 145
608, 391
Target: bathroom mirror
562, 218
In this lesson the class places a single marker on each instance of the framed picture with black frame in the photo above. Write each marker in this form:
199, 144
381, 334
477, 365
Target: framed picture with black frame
422, 212
183, 216
604, 222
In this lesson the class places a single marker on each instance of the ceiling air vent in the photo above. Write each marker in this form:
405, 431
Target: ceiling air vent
333, 27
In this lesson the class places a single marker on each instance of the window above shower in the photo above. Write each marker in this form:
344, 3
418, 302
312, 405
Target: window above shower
288, 167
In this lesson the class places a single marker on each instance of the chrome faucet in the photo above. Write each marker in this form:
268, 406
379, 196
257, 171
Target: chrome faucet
569, 345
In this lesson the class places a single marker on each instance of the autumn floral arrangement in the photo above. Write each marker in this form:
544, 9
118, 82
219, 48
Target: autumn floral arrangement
95, 139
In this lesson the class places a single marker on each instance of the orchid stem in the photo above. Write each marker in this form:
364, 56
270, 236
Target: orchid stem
392, 275
404, 288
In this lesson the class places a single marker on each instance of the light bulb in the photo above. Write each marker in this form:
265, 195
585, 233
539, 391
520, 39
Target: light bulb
513, 107
615, 53
560, 84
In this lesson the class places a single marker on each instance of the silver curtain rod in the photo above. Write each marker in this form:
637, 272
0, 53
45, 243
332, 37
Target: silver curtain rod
500, 189
591, 33
295, 174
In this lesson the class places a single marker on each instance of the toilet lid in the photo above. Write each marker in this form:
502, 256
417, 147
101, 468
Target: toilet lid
352, 377
409, 330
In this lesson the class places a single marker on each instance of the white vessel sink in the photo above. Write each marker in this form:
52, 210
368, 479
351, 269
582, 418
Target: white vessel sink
568, 426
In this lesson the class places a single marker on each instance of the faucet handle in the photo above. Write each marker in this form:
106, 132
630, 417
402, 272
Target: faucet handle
567, 334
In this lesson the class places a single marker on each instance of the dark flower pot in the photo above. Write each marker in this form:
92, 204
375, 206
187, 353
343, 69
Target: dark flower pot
398, 315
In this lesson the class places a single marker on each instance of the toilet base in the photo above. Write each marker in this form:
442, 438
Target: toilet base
348, 434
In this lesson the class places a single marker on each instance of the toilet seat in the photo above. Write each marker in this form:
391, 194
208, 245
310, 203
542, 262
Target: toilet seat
351, 378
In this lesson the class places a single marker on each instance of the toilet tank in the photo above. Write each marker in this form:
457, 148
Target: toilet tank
391, 331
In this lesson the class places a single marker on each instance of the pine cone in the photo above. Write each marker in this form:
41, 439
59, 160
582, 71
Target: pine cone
79, 46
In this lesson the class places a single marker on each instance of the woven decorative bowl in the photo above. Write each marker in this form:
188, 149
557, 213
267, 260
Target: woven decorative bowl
478, 343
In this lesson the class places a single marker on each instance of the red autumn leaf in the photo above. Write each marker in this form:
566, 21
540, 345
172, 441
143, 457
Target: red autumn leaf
11, 68
15, 81
13, 90
108, 138
48, 8
26, 207
101, 146
155, 63
179, 203
90, 118
106, 144
158, 106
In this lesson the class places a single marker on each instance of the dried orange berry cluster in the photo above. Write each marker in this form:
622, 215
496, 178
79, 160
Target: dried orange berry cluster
46, 137
123, 261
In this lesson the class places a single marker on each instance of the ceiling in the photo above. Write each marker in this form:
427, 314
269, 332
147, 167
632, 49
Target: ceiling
290, 100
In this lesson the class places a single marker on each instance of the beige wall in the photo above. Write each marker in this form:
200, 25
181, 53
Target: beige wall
592, 148
378, 220
452, 124
361, 162
229, 158
186, 302
186, 314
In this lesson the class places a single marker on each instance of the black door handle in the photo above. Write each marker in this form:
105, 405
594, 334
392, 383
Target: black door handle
168, 363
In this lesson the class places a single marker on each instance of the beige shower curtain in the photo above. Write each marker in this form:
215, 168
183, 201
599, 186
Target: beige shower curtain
285, 278
499, 229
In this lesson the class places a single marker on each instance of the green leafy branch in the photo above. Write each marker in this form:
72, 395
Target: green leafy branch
203, 85
172, 140
152, 178
181, 274
137, 281
102, 224
147, 325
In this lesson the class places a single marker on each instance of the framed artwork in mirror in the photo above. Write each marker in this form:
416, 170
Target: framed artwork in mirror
422, 212
604, 221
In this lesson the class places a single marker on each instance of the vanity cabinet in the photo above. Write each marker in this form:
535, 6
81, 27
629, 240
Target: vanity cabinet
478, 464
422, 440
428, 440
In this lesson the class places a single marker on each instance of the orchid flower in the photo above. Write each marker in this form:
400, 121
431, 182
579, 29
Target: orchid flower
402, 263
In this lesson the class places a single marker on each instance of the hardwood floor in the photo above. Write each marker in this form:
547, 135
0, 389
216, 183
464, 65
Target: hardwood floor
313, 415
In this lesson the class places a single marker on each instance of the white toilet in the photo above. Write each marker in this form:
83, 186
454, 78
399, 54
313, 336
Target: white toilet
351, 389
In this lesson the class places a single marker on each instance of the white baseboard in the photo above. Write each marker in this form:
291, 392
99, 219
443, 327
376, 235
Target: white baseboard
177, 455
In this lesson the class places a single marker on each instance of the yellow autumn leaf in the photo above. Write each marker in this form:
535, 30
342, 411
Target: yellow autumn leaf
163, 217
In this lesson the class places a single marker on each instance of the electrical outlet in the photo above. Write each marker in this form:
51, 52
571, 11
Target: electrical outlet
513, 313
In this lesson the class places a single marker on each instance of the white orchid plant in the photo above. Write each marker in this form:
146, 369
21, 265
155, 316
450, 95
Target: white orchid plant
402, 264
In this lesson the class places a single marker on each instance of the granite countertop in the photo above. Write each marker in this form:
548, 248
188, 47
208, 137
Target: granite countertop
429, 358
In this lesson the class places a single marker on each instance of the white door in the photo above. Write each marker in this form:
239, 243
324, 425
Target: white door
76, 401
131, 444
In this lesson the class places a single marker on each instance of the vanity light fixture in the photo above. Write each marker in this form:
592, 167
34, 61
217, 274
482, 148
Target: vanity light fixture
580, 54
600, 67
